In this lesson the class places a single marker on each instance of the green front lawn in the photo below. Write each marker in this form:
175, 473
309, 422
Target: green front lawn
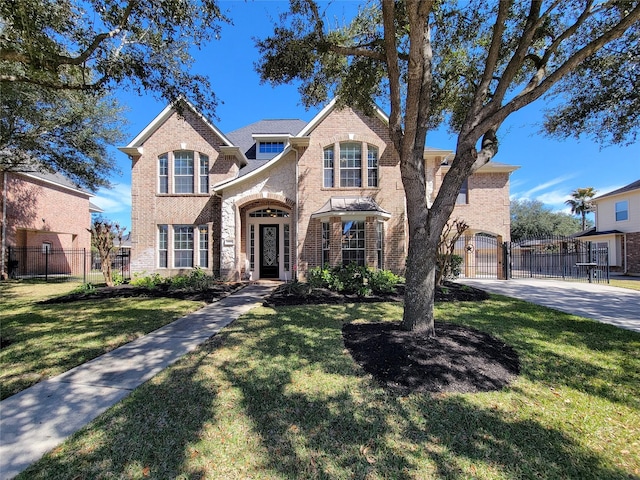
43, 340
276, 396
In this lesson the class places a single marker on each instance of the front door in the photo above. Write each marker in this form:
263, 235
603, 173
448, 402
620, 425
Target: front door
269, 251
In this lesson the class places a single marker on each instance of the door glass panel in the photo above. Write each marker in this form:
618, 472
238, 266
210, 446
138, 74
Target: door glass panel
269, 246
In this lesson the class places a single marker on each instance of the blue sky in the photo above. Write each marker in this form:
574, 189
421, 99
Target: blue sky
549, 168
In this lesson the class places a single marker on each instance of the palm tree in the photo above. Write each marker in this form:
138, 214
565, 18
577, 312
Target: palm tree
581, 204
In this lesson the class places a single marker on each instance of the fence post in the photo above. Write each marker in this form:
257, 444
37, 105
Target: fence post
84, 265
46, 264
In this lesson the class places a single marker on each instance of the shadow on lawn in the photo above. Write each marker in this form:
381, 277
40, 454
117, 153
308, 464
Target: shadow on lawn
78, 338
313, 414
351, 431
146, 435
538, 338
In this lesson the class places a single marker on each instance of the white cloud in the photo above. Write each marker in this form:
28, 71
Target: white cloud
114, 200
544, 186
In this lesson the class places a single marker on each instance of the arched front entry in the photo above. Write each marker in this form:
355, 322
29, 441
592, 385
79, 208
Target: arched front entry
268, 242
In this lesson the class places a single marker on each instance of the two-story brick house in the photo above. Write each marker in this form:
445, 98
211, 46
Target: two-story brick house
277, 197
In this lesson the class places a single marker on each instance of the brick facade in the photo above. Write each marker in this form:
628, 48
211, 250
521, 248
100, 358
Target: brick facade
294, 185
39, 211
150, 208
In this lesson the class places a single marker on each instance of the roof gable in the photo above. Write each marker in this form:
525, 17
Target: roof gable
136, 144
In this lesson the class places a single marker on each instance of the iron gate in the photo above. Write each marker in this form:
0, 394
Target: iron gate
558, 257
484, 256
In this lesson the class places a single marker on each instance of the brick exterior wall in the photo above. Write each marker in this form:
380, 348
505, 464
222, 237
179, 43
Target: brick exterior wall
150, 208
488, 208
341, 126
39, 211
633, 253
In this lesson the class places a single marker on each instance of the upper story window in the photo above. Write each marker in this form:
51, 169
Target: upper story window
463, 196
372, 166
622, 211
350, 165
177, 172
328, 167
270, 147
183, 172
204, 173
351, 171
163, 173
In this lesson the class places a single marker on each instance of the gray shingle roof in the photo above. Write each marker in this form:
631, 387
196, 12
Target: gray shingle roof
627, 188
243, 137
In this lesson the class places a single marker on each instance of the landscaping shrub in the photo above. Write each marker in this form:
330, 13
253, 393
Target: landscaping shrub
450, 265
353, 279
147, 281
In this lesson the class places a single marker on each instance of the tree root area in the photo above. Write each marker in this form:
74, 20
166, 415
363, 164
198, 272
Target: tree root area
458, 359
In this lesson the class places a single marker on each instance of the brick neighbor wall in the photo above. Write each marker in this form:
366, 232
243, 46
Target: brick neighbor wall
39, 211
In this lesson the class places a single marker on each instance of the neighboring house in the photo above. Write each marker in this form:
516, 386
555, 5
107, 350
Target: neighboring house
44, 211
618, 227
278, 197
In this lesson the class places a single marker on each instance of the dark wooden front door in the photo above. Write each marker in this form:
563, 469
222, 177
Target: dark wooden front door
269, 251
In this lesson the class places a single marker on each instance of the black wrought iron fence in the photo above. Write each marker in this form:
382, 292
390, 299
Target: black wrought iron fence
51, 264
558, 257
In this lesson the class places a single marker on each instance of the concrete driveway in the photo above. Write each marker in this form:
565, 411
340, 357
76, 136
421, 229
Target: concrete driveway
602, 302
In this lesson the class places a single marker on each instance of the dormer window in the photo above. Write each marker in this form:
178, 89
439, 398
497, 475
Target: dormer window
268, 145
271, 147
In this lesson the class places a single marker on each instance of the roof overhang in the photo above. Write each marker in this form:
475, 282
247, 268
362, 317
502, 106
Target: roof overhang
351, 207
490, 167
233, 151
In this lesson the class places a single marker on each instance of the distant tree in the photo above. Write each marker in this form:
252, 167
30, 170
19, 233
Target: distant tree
471, 63
581, 204
65, 131
96, 45
104, 235
530, 218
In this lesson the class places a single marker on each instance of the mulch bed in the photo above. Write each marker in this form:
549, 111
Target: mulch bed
209, 295
459, 359
448, 293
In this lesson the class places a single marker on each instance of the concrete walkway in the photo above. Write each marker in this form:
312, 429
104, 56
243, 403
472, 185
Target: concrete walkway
601, 302
39, 418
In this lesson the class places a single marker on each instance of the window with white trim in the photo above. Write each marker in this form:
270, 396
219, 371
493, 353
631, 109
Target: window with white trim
203, 246
163, 246
350, 165
353, 242
182, 246
163, 173
328, 167
271, 147
183, 172
622, 211
380, 244
326, 242
204, 173
287, 246
372, 166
